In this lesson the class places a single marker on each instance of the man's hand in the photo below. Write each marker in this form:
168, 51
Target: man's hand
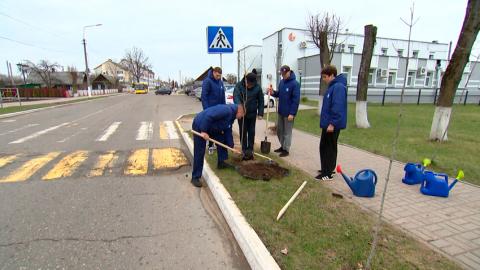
205, 136
260, 117
330, 128
290, 117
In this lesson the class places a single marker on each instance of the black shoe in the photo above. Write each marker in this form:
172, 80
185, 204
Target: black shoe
196, 182
284, 153
279, 150
223, 165
324, 177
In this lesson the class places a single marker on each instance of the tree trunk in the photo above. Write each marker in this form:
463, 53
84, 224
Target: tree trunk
361, 115
453, 74
324, 60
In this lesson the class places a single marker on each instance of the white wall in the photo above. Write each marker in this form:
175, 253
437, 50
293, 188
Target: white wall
269, 51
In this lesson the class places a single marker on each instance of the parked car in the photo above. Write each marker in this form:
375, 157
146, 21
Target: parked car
163, 91
198, 93
229, 98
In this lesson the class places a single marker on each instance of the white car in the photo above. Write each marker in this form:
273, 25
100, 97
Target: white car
229, 98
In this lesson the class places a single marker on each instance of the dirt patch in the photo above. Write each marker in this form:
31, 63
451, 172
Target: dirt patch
261, 170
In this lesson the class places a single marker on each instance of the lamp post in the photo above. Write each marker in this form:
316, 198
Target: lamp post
85, 54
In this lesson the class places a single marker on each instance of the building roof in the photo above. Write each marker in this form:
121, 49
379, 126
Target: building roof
57, 78
114, 63
104, 77
204, 74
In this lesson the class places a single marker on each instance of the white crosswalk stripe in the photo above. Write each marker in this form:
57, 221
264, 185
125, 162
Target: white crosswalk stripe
145, 131
172, 132
108, 132
39, 133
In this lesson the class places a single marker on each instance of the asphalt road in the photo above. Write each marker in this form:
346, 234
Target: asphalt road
105, 185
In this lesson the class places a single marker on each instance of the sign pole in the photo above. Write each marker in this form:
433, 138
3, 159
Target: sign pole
221, 66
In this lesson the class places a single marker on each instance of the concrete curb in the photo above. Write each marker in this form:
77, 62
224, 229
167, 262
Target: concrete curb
253, 248
8, 115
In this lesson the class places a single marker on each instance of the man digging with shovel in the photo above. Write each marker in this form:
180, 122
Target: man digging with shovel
249, 94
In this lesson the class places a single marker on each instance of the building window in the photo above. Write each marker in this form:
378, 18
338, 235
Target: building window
410, 78
384, 51
428, 79
342, 48
392, 78
351, 48
370, 76
347, 71
400, 52
415, 54
431, 55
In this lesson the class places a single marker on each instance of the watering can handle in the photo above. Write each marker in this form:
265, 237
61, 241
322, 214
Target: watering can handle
375, 175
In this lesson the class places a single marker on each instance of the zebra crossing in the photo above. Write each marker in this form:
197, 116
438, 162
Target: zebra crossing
57, 165
144, 132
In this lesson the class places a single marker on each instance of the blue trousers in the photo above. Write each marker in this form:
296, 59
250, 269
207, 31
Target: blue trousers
199, 145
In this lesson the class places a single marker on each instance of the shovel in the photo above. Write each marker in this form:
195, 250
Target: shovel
269, 160
265, 145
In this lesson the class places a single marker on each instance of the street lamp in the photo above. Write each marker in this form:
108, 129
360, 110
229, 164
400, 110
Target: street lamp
85, 53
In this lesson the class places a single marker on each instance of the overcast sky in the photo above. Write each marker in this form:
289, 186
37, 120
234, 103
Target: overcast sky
172, 33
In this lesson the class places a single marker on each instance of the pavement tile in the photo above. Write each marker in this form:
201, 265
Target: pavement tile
440, 243
453, 250
467, 260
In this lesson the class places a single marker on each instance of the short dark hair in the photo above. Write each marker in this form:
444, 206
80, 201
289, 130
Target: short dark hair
329, 70
217, 69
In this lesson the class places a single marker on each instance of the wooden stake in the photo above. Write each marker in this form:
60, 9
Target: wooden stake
280, 214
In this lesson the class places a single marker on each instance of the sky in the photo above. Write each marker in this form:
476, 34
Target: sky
173, 33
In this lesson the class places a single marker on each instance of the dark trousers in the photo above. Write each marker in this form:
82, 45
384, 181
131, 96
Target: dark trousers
199, 146
328, 150
248, 137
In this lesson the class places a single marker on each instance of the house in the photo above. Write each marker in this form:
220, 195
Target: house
103, 81
62, 79
115, 70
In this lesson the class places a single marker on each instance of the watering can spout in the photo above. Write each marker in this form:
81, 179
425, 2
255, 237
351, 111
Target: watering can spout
347, 179
452, 184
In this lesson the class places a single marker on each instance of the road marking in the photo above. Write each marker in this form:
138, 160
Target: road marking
8, 121
18, 129
145, 131
108, 132
67, 166
137, 163
168, 158
39, 133
163, 132
7, 159
29, 168
172, 132
103, 162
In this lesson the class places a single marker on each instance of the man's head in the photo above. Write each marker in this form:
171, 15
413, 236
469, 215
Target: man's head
285, 71
217, 73
240, 111
329, 73
251, 79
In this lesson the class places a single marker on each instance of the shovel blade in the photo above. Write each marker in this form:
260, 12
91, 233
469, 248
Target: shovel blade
265, 147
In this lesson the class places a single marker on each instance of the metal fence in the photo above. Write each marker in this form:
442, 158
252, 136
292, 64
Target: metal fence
411, 95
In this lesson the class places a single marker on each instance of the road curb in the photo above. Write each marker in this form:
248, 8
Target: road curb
252, 247
8, 115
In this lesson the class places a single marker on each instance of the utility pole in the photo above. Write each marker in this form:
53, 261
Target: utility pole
87, 72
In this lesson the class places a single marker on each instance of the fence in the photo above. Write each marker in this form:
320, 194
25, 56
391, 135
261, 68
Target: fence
411, 95
96, 92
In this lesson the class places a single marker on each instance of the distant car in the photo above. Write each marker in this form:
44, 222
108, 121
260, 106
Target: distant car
229, 95
271, 102
198, 93
163, 91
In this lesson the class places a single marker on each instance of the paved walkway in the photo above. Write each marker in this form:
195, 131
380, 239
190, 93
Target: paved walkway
448, 225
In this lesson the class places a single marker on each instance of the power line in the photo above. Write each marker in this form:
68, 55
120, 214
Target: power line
31, 45
30, 25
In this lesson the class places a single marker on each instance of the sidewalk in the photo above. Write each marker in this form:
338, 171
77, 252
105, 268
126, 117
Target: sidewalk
448, 225
49, 101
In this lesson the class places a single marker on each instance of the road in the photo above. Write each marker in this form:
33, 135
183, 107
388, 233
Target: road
105, 185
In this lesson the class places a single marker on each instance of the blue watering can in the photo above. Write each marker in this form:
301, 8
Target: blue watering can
363, 184
436, 184
413, 173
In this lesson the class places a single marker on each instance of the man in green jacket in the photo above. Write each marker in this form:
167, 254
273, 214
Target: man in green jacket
249, 94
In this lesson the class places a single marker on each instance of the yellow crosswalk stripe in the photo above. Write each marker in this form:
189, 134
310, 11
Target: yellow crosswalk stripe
168, 158
137, 163
67, 166
7, 159
29, 168
104, 161
163, 131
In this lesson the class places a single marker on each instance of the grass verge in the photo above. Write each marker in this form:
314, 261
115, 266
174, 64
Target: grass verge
15, 109
459, 152
321, 231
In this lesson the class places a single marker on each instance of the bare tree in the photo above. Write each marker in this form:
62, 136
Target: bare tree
136, 62
454, 71
74, 77
324, 29
361, 115
112, 70
231, 78
43, 69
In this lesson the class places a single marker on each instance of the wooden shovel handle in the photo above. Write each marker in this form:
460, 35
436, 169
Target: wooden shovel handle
216, 142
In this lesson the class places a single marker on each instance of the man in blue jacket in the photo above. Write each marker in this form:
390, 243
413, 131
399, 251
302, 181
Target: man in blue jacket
215, 122
332, 120
288, 100
213, 93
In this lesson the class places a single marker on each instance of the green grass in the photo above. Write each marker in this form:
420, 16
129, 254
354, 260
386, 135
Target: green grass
321, 231
309, 102
459, 152
15, 109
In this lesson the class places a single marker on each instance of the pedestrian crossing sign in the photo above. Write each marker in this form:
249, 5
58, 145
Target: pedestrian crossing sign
220, 39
